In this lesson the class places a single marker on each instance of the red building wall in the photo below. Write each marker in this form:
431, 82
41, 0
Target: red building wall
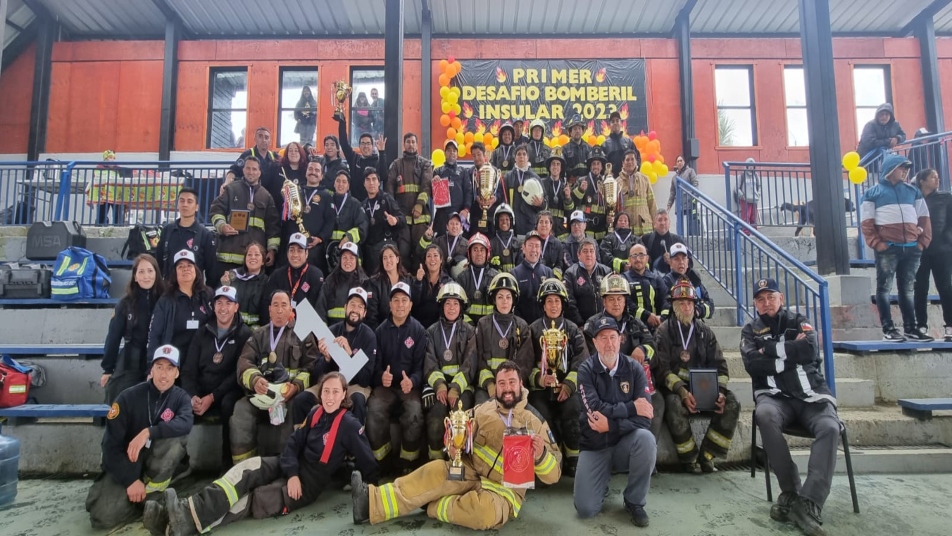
108, 94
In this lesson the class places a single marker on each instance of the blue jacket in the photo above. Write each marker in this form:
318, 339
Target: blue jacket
895, 214
613, 397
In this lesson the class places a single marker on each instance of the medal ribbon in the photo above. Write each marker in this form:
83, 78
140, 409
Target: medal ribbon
499, 330
311, 196
685, 343
446, 341
479, 281
342, 203
223, 343
274, 341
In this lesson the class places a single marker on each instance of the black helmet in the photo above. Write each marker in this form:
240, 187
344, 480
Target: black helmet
506, 281
553, 287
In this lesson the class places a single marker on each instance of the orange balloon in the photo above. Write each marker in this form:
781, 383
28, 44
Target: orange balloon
443, 65
592, 139
563, 139
444, 80
487, 139
451, 133
457, 67
451, 71
445, 120
468, 137
653, 147
456, 123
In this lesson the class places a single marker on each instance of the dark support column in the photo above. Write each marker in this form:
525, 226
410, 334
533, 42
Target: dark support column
682, 33
426, 79
393, 79
931, 86
3, 29
816, 39
169, 90
40, 107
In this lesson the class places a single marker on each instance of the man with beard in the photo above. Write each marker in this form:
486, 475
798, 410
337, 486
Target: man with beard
262, 151
510, 189
577, 151
782, 355
503, 157
648, 290
410, 183
617, 144
398, 381
298, 278
554, 386
614, 425
681, 269
530, 274
659, 241
616, 245
242, 214
539, 152
479, 501
387, 224
501, 336
685, 343
449, 370
637, 341
367, 158
475, 278
461, 192
583, 280
319, 216
351, 335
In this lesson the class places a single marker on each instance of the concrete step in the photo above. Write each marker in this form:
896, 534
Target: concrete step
885, 460
54, 326
850, 392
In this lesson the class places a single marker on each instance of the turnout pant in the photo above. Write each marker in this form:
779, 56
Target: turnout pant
474, 503
774, 415
247, 436
257, 487
386, 402
940, 267
305, 402
720, 432
107, 501
634, 454
436, 425
561, 416
224, 409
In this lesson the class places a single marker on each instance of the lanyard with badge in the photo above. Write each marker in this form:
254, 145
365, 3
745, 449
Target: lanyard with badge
518, 462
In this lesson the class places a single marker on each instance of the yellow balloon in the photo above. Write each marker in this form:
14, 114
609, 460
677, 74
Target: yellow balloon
656, 167
653, 177
462, 150
444, 91
446, 107
858, 175
460, 138
452, 98
457, 108
850, 160
600, 140
664, 170
495, 142
646, 168
455, 91
438, 158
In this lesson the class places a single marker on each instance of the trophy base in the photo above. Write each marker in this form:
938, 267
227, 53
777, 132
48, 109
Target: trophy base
483, 224
456, 473
339, 115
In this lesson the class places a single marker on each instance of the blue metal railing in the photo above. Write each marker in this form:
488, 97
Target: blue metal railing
737, 256
104, 194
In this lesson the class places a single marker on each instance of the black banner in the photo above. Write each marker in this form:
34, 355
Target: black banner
493, 92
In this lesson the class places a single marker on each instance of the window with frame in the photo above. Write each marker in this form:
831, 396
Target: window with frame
871, 88
366, 106
297, 117
736, 112
795, 96
228, 108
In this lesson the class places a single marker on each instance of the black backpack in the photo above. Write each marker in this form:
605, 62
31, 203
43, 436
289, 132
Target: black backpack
142, 239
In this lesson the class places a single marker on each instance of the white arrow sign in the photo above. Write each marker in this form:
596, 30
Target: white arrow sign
308, 321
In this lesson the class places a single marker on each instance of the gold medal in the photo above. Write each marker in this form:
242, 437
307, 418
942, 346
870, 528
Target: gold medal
685, 356
504, 343
519, 189
217, 358
478, 295
505, 163
272, 358
447, 355
505, 252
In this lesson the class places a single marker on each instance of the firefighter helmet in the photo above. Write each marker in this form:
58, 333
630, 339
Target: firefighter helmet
451, 290
553, 287
504, 209
614, 284
536, 123
683, 290
504, 281
531, 189
479, 238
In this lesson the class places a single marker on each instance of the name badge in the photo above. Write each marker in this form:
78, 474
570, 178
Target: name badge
191, 324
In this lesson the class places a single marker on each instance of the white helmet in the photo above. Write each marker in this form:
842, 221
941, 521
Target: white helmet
532, 188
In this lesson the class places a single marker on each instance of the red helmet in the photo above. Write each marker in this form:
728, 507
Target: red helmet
480, 239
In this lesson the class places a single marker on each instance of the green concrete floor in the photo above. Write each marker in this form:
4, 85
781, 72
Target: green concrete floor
729, 503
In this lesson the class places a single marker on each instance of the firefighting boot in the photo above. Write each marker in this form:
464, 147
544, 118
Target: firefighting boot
154, 518
706, 462
360, 495
180, 515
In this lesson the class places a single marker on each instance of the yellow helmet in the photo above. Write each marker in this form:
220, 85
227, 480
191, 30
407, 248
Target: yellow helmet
451, 290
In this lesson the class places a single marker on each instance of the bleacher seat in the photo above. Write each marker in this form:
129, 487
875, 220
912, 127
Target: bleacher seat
922, 408
12, 303
86, 351
16, 414
886, 346
894, 299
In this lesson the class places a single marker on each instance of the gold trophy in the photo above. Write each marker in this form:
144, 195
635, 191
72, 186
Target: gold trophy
459, 434
553, 342
292, 196
339, 93
610, 190
488, 179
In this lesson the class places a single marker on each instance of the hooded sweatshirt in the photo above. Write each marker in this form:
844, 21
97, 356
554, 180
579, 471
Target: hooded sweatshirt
877, 136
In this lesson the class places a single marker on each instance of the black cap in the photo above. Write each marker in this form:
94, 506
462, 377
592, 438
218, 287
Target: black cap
764, 285
614, 115
533, 234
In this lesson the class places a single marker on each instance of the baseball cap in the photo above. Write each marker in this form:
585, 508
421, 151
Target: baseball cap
604, 323
400, 287
451, 142
359, 292
184, 255
578, 215
614, 115
228, 292
533, 234
168, 353
766, 285
678, 249
455, 215
298, 239
350, 247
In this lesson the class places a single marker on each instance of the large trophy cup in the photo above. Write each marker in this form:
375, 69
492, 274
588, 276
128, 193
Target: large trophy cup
488, 179
293, 206
610, 191
340, 91
459, 434
553, 342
